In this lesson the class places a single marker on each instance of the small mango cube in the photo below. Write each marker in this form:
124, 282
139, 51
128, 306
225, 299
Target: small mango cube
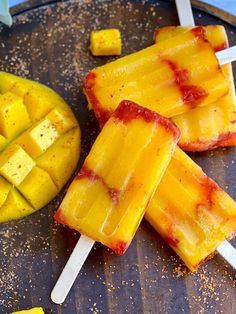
15, 207
15, 164
51, 161
39, 138
35, 310
62, 120
37, 104
12, 106
106, 42
40, 193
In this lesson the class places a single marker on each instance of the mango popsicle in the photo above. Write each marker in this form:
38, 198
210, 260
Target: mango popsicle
170, 77
107, 199
214, 125
190, 211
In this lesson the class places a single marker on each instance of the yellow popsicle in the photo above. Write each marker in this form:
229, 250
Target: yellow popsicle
107, 199
170, 77
190, 211
214, 125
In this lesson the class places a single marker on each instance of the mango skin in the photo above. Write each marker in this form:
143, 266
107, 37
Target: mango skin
41, 151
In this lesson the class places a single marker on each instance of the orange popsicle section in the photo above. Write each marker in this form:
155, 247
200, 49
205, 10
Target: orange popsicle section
190, 211
170, 77
214, 125
107, 199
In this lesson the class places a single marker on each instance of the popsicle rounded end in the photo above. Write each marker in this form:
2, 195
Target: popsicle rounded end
56, 297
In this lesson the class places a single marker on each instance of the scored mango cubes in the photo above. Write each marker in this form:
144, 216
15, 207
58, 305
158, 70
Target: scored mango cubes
214, 125
190, 211
170, 77
39, 145
107, 199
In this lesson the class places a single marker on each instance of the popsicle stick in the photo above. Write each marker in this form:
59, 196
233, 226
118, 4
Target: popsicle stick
226, 55
71, 269
228, 252
185, 12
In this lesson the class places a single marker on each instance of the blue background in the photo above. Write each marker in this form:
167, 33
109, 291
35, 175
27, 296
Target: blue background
227, 5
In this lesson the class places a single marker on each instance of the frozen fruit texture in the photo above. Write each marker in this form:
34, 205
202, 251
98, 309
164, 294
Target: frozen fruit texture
190, 211
170, 78
214, 125
107, 199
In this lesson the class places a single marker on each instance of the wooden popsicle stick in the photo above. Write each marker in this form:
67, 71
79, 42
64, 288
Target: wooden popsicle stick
71, 269
227, 55
228, 252
185, 12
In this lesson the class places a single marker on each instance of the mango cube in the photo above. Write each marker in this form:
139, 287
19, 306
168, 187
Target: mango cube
62, 120
68, 147
170, 77
38, 195
37, 104
190, 211
108, 197
15, 164
12, 106
106, 42
35, 310
214, 125
39, 138
15, 207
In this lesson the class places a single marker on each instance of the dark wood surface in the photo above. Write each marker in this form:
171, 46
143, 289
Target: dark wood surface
49, 43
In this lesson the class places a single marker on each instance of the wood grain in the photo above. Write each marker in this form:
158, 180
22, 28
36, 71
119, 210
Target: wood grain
49, 43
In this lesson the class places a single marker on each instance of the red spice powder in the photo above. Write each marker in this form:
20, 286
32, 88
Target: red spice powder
199, 32
190, 94
120, 248
220, 47
223, 140
128, 111
208, 188
85, 172
101, 114
59, 217
172, 241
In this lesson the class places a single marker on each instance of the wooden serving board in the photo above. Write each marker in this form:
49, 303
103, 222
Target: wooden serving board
49, 43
